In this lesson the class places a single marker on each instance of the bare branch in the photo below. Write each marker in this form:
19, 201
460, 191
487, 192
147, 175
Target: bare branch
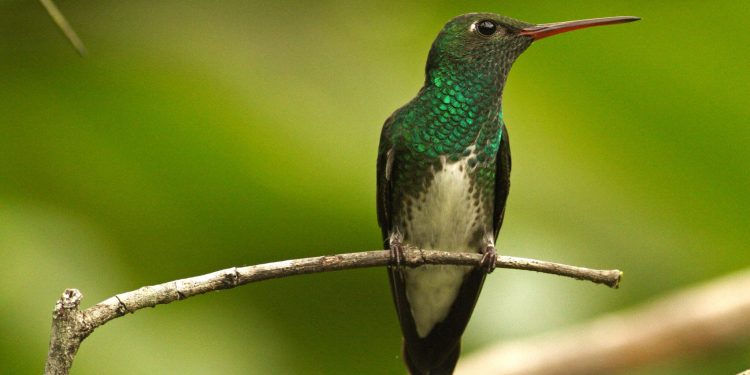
71, 326
689, 321
66, 335
64, 26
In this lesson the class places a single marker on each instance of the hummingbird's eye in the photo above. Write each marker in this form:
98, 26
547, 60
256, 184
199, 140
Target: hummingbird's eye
486, 27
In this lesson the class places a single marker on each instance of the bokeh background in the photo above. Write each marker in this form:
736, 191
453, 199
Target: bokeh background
201, 135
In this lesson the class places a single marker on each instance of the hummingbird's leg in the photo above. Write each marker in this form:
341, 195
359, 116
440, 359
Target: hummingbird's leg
489, 257
397, 249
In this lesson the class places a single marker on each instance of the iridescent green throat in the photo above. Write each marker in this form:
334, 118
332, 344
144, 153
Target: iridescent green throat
458, 112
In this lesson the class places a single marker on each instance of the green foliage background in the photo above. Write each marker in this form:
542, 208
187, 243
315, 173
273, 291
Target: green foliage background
200, 135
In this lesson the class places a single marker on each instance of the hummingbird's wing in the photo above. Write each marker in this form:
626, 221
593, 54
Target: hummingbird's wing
385, 169
502, 180
386, 157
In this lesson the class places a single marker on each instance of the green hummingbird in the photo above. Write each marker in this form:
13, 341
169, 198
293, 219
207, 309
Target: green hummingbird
443, 176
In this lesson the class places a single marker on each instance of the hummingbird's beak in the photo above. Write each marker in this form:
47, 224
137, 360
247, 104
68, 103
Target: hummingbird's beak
548, 29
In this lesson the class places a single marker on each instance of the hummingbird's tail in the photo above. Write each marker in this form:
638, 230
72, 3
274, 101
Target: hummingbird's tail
444, 368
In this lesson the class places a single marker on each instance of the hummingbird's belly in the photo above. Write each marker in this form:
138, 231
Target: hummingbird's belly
447, 216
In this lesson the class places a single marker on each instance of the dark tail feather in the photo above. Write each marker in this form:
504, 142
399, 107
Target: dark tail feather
444, 368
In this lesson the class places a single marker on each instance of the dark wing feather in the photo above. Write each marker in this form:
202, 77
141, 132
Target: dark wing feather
384, 179
502, 180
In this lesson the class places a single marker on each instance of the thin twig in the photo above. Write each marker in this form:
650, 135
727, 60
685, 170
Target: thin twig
64, 26
692, 320
70, 326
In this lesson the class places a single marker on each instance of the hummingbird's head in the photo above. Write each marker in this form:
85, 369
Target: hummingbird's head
481, 40
491, 42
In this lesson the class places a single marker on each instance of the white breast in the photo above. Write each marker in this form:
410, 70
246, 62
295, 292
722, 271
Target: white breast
442, 218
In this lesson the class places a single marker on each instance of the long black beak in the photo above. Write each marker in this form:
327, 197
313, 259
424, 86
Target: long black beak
548, 29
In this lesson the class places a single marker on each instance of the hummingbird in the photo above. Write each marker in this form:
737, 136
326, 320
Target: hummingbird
443, 177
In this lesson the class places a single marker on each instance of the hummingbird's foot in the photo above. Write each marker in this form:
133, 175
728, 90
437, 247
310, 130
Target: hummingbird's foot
397, 251
489, 257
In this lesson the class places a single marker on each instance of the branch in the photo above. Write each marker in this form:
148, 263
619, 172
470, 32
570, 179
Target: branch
64, 26
70, 326
689, 321
67, 333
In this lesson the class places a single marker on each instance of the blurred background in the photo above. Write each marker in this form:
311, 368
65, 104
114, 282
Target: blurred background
202, 135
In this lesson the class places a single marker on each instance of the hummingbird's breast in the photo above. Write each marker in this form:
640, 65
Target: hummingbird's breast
451, 214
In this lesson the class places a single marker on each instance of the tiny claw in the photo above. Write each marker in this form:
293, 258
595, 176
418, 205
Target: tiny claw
397, 254
489, 258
